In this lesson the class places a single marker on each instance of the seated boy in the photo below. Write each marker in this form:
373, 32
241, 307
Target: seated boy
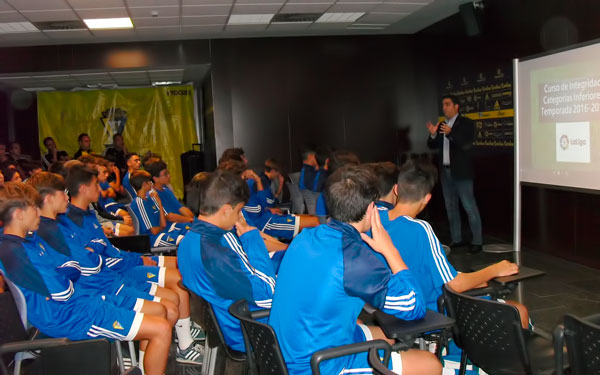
80, 222
147, 207
176, 212
256, 209
329, 273
421, 249
134, 163
309, 180
54, 305
221, 264
387, 175
108, 203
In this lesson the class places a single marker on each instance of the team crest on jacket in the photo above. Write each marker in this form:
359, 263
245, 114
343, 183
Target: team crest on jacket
117, 325
150, 275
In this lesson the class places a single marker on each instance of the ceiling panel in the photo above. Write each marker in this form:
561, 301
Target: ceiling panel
39, 5
205, 10
156, 21
102, 13
157, 31
352, 7
4, 6
51, 15
256, 8
289, 26
147, 3
93, 4
11, 17
207, 2
208, 20
147, 12
129, 33
304, 8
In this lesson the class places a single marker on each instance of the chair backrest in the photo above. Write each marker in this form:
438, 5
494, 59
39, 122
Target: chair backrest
489, 332
134, 219
583, 344
375, 362
11, 325
263, 341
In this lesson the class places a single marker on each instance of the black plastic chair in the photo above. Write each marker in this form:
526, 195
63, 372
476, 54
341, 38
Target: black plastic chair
205, 316
490, 335
582, 336
262, 342
147, 245
57, 355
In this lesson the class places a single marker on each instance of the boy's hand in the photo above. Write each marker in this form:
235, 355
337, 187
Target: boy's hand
506, 268
381, 241
249, 174
241, 226
153, 194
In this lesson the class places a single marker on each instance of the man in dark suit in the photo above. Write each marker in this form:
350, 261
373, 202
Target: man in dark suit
454, 138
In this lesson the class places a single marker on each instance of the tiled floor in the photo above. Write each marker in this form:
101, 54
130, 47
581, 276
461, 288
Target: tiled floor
565, 288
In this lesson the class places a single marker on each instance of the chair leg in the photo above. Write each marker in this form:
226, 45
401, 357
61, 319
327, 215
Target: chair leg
463, 363
120, 357
134, 362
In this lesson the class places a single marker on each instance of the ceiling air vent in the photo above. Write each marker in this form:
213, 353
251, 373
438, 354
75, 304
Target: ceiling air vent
295, 17
60, 25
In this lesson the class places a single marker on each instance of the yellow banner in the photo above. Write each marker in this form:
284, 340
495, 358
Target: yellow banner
486, 115
157, 119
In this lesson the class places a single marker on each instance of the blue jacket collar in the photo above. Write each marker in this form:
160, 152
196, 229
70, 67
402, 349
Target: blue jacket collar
345, 228
207, 229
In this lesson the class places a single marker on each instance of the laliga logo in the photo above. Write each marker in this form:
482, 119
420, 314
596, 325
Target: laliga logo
565, 142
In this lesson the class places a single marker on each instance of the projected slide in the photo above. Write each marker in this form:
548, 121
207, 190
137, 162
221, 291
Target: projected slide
559, 118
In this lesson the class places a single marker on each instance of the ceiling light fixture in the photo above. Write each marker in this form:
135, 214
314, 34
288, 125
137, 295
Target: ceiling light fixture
108, 23
339, 17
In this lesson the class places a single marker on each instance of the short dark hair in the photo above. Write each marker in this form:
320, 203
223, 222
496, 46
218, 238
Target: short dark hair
116, 135
155, 166
130, 155
138, 178
349, 192
234, 166
387, 176
47, 139
232, 154
13, 196
416, 179
338, 159
87, 159
221, 188
78, 175
322, 155
273, 164
453, 98
307, 151
57, 167
193, 189
80, 137
46, 183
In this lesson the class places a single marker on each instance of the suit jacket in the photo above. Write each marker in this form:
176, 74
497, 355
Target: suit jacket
461, 148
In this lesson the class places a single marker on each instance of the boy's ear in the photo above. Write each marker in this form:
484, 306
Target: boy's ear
427, 199
395, 190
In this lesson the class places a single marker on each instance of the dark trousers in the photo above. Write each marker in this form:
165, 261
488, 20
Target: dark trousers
455, 190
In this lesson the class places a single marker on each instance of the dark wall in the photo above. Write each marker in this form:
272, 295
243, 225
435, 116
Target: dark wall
558, 222
18, 120
273, 96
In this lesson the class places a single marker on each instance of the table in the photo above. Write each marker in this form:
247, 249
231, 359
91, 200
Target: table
524, 273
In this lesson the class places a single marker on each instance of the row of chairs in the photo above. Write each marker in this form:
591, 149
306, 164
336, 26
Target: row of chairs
491, 337
488, 332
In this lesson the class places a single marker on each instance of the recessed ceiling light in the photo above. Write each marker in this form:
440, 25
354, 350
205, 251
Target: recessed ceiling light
108, 23
339, 17
39, 88
17, 27
250, 19
166, 83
